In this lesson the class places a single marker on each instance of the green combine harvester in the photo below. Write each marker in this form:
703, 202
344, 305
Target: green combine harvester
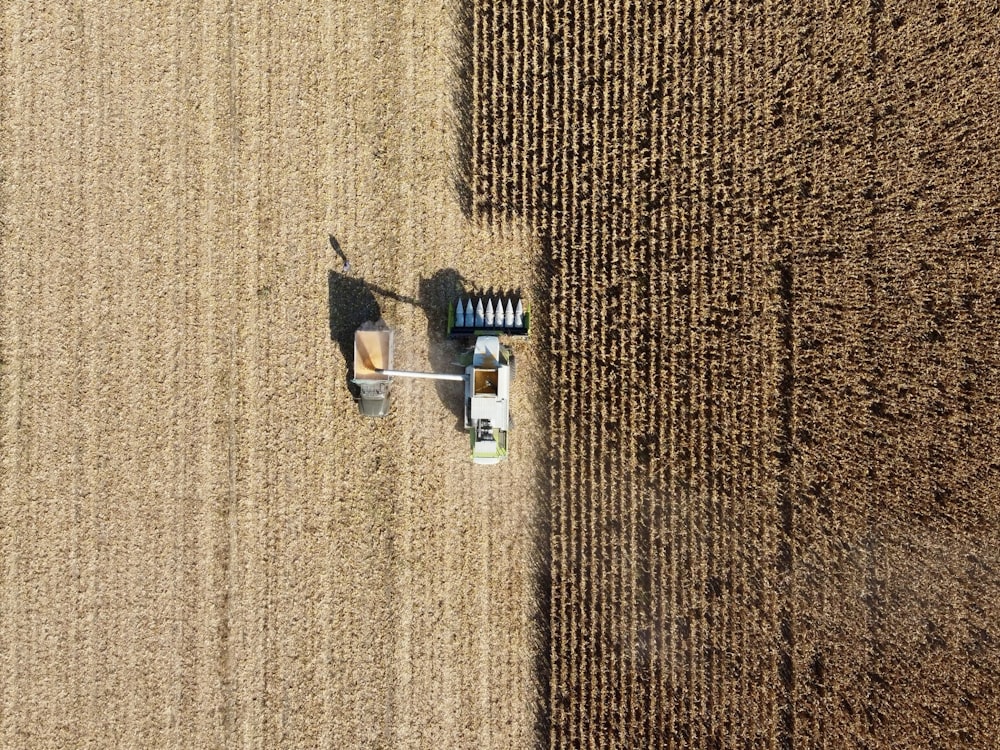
488, 368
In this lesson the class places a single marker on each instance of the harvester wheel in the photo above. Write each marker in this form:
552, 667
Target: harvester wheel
512, 364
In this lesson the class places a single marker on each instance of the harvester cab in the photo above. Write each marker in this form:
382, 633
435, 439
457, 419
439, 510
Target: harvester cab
488, 368
487, 399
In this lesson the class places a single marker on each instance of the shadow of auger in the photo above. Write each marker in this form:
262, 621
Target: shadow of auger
389, 294
437, 293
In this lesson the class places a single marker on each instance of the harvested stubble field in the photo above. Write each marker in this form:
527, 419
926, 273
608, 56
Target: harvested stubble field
773, 237
202, 543
768, 369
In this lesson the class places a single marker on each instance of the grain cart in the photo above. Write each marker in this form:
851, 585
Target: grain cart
488, 368
373, 344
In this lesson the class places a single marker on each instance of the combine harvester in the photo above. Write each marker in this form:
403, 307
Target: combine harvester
489, 368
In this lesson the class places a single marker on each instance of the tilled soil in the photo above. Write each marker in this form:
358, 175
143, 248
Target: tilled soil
202, 544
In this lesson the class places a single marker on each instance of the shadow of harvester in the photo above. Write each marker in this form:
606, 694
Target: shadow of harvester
437, 294
351, 304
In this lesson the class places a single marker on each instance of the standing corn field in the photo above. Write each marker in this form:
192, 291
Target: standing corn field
772, 230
